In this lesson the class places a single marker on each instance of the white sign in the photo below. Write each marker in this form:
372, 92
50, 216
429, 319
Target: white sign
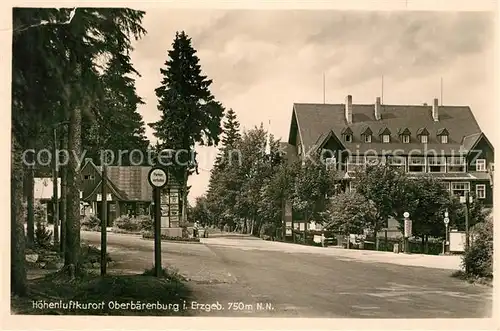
457, 241
446, 220
406, 214
108, 197
158, 177
407, 228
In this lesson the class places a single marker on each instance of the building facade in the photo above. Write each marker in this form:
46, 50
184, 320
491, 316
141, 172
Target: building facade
424, 140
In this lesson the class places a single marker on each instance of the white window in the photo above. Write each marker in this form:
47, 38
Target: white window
406, 139
386, 138
368, 138
444, 139
437, 164
397, 161
352, 187
455, 164
480, 165
416, 164
481, 191
424, 139
459, 188
88, 177
348, 138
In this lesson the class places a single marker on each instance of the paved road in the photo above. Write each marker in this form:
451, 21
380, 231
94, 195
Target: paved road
243, 272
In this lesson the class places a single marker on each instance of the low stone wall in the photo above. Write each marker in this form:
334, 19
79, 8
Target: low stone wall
172, 232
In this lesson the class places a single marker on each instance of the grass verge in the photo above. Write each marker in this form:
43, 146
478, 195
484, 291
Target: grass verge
460, 274
114, 295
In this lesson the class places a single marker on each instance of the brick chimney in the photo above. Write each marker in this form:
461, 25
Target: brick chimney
348, 109
435, 110
378, 109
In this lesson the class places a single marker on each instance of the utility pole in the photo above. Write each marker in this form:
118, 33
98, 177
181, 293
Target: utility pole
64, 192
104, 218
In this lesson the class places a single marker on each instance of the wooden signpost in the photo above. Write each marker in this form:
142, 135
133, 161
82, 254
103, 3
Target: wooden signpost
157, 178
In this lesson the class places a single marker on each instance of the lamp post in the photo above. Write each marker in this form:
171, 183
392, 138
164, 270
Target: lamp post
407, 233
55, 182
446, 221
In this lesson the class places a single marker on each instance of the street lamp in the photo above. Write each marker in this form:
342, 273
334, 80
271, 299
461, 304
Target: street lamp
446, 221
407, 233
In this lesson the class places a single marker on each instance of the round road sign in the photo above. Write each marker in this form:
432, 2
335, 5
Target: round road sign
157, 177
446, 220
406, 214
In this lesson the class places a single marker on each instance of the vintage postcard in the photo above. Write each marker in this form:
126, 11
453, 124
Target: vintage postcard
320, 163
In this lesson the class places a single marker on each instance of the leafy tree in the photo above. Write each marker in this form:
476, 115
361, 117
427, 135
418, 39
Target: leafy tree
189, 112
277, 190
313, 182
224, 182
200, 212
385, 187
350, 213
65, 45
427, 201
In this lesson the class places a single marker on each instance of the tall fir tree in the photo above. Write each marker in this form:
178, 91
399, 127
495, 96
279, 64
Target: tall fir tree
190, 114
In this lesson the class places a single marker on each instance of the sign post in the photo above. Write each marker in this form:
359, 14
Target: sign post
407, 233
446, 234
157, 178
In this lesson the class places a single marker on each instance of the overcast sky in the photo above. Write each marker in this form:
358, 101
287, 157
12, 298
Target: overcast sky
262, 62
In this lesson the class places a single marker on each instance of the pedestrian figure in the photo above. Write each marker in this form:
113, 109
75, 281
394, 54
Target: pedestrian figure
195, 229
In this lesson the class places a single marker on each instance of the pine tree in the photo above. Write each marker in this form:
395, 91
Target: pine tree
119, 126
189, 112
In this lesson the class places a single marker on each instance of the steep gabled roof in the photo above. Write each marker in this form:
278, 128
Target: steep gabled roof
442, 132
384, 130
347, 130
316, 119
404, 131
366, 131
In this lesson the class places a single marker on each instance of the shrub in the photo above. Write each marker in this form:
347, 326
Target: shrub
91, 223
43, 236
127, 223
91, 254
145, 223
478, 258
150, 235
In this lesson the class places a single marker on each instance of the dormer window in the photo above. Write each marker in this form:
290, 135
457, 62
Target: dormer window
423, 135
406, 139
367, 135
443, 135
386, 135
347, 134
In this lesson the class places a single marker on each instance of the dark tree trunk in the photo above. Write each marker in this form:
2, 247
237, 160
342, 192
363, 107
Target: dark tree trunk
30, 197
72, 252
426, 251
64, 193
422, 249
17, 238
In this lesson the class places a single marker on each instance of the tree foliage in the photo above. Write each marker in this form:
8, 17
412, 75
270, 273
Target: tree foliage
350, 213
